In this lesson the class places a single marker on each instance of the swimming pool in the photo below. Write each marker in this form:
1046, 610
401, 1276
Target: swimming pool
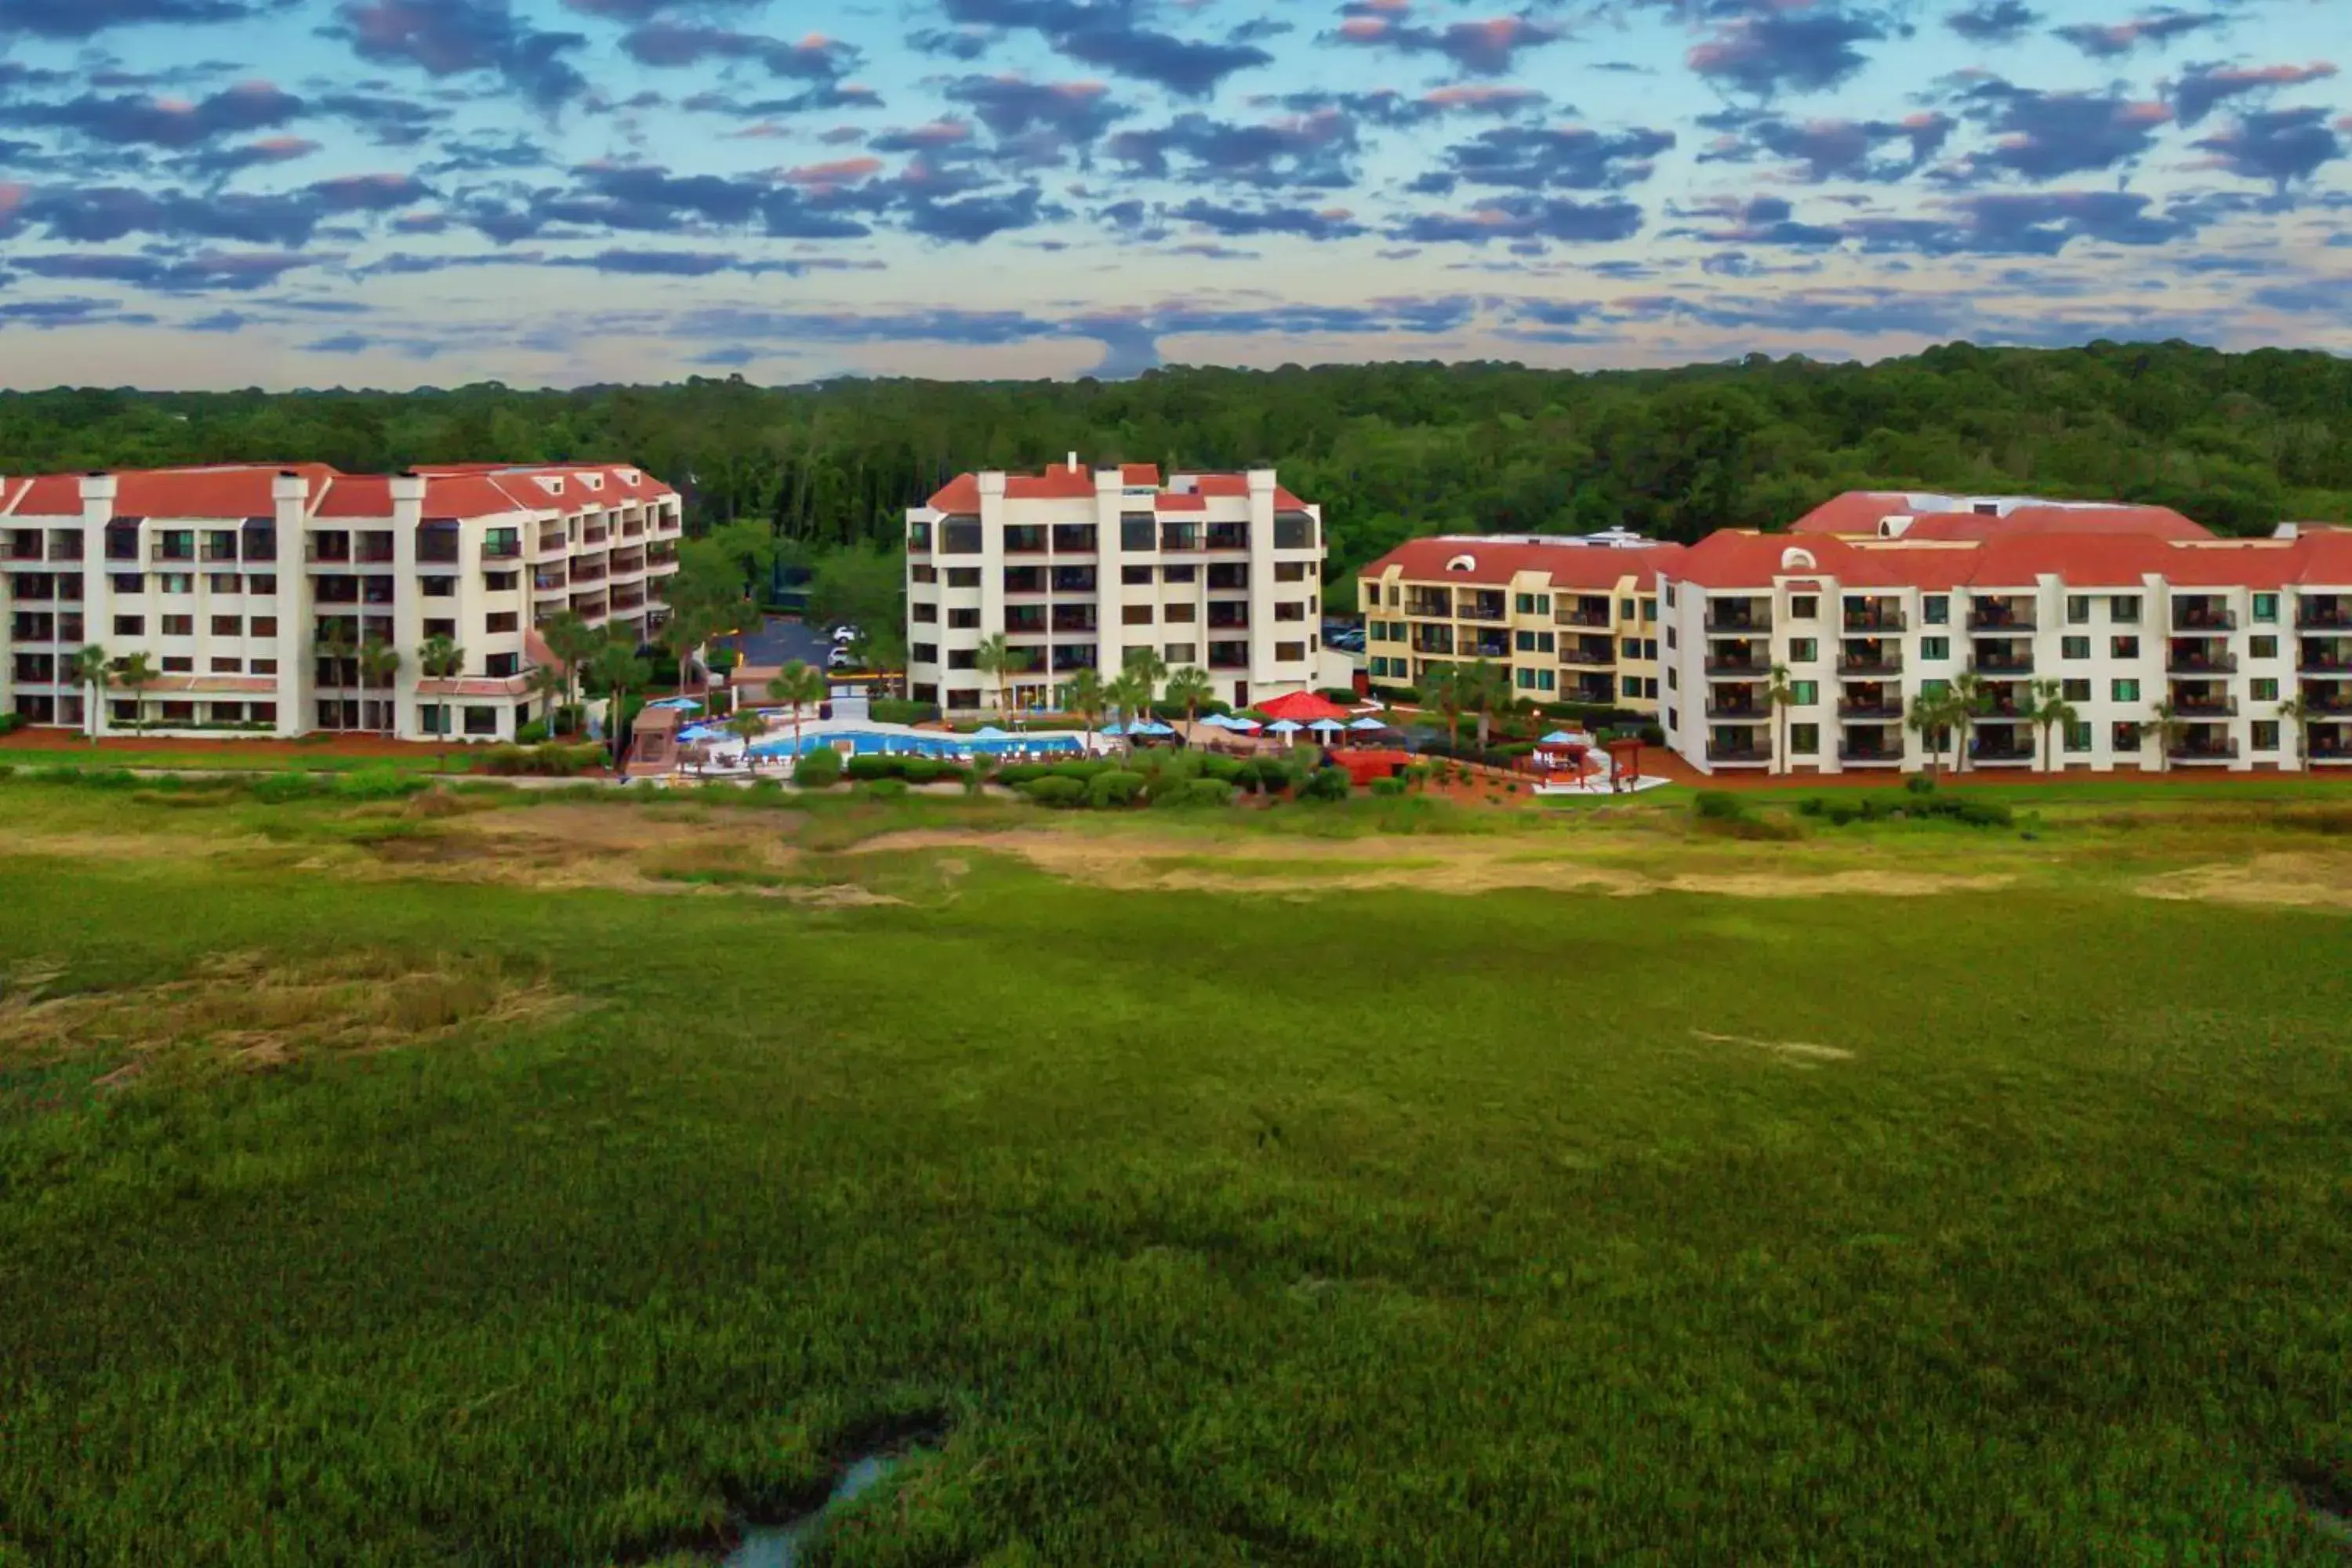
872, 742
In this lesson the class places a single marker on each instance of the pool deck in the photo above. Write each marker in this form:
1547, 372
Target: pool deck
726, 753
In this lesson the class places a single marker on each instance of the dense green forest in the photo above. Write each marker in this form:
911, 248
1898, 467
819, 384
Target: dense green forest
2238, 441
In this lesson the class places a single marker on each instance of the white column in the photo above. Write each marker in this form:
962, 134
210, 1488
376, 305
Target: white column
97, 492
289, 495
1111, 573
409, 602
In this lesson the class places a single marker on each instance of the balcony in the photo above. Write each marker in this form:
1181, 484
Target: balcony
172, 552
2198, 749
1486, 645
2204, 704
2196, 661
1179, 536
64, 547
1739, 618
2190, 617
1484, 607
1438, 641
2322, 612
2008, 745
627, 599
1595, 613
1871, 702
2325, 656
324, 552
553, 581
1588, 653
26, 547
1736, 667
1738, 753
1742, 710
587, 571
1229, 536
2001, 615
1074, 618
505, 545
1881, 620
1869, 659
2004, 661
2336, 698
1020, 619
1425, 606
590, 538
440, 549
1873, 753
1229, 616
553, 541
1021, 580
211, 552
1024, 539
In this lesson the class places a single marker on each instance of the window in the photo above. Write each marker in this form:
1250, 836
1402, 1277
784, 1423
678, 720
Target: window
1180, 654
492, 583
922, 573
2123, 648
1804, 740
1290, 570
964, 620
223, 581
2266, 735
2074, 690
2263, 689
228, 667
262, 627
2124, 690
1629, 648
1670, 637
1186, 573
922, 610
500, 665
1650, 649
1135, 615
1936, 609
262, 713
179, 626
1673, 719
963, 697
923, 652
127, 581
227, 626
2124, 609
1935, 648
1805, 693
178, 664
175, 581
1649, 609
1290, 652
2261, 648
1804, 606
1174, 613
2078, 609
1804, 650
1293, 530
1525, 679
2073, 647
2078, 736
1134, 576
441, 630
1670, 596
963, 576
961, 536
1529, 642
437, 587
502, 621
2266, 607
1674, 678
1137, 530
918, 536
1525, 604
481, 720
963, 658
2123, 737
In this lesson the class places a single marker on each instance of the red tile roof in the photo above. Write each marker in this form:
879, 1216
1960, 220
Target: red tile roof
1139, 476
1735, 560
1062, 482
48, 495
1494, 564
232, 491
959, 494
1854, 512
1176, 500
1858, 513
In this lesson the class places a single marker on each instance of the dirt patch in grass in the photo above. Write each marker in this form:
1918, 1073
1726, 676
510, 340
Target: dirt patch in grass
2297, 881
243, 1011
1143, 860
1796, 1050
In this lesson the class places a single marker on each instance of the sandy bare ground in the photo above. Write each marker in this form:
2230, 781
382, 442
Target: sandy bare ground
2295, 881
1143, 862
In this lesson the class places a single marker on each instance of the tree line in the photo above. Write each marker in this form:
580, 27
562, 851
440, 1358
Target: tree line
1390, 450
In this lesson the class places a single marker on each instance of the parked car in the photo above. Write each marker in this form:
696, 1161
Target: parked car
844, 633
840, 659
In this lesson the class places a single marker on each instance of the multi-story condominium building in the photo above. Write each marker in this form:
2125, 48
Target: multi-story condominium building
1568, 618
245, 586
1218, 571
2173, 647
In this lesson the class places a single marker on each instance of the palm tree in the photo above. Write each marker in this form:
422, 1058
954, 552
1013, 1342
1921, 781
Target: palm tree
688, 628
617, 670
1084, 695
134, 673
1448, 686
2302, 711
747, 726
1486, 687
1130, 693
379, 664
2169, 727
551, 686
2050, 711
93, 672
332, 648
574, 642
1147, 667
1782, 696
798, 685
1970, 697
440, 658
1934, 716
997, 659
1191, 686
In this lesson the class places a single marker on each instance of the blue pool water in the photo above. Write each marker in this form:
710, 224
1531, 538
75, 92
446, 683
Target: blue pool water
866, 742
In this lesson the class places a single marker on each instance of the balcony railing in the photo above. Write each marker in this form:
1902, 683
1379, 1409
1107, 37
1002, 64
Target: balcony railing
1738, 751
1742, 622
2323, 661
1483, 610
1741, 665
2002, 664
2202, 751
1870, 662
2337, 701
1870, 707
1873, 623
11, 551
1576, 615
2187, 619
547, 582
1849, 751
170, 552
1985, 617
1749, 712
1229, 536
2332, 616
2203, 706
1427, 610
1586, 657
2180, 662
1991, 749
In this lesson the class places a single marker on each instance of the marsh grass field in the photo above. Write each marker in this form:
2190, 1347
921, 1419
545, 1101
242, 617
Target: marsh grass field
482, 1178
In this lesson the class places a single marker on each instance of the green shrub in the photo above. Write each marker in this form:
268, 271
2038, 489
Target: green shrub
818, 768
11, 722
1339, 694
899, 711
1919, 783
1982, 812
1113, 789
552, 758
1207, 792
1012, 776
532, 733
1056, 791
1388, 786
1082, 770
1326, 783
1401, 694
1714, 805
374, 784
885, 789
1224, 770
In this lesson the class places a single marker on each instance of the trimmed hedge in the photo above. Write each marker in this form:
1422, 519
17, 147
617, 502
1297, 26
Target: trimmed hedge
818, 769
1917, 804
908, 770
11, 722
1115, 788
552, 758
1064, 793
899, 711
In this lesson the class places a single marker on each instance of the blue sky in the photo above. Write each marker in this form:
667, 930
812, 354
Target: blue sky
389, 193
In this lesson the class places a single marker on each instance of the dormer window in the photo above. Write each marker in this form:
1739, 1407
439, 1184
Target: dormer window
552, 483
593, 481
1463, 564
630, 477
1795, 559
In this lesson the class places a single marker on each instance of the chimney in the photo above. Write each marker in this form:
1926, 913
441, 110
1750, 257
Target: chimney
1074, 462
2286, 530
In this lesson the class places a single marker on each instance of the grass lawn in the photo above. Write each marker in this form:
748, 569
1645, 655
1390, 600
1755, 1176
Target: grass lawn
560, 1182
225, 759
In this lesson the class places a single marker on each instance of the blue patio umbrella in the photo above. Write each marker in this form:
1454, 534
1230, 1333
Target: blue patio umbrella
1111, 729
1368, 724
1326, 726
683, 704
1286, 727
1152, 727
1560, 738
990, 733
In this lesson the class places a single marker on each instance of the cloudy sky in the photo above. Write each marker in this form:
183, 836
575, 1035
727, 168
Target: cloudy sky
229, 193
